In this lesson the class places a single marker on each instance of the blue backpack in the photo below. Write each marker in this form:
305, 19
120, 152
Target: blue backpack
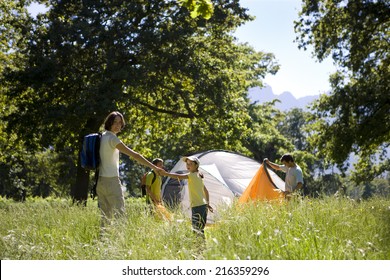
90, 153
90, 156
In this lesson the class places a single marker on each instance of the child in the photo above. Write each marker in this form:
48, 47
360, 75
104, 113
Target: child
153, 183
199, 195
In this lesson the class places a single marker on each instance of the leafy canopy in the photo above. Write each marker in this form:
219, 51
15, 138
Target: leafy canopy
354, 117
181, 82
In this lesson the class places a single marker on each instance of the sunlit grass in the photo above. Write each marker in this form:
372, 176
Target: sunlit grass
321, 229
303, 229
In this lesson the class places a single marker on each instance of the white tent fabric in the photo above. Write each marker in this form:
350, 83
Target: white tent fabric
219, 193
226, 175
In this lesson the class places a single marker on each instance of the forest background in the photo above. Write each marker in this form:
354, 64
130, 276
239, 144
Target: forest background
181, 79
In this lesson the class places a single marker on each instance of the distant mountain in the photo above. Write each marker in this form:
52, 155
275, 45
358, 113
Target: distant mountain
287, 100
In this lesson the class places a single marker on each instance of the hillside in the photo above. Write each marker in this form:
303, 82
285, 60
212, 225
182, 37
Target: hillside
287, 100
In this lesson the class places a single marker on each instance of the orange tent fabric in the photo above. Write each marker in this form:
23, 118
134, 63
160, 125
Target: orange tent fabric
163, 213
262, 187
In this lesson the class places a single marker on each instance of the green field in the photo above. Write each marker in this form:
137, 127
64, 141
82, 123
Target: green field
303, 229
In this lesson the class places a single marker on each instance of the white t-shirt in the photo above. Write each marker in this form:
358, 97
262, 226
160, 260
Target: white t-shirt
293, 177
109, 155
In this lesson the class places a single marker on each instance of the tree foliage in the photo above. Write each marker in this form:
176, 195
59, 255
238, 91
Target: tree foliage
354, 117
266, 140
14, 21
181, 82
203, 8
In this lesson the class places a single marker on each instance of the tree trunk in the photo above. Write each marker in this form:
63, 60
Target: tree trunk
79, 191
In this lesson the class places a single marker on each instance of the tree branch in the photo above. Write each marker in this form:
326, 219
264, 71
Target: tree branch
173, 113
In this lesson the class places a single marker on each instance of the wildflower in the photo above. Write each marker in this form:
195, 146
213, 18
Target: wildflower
349, 243
9, 237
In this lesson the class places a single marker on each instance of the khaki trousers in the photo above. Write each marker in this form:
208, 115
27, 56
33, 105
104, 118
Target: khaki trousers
110, 198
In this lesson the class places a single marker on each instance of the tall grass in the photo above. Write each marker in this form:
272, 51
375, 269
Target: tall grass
320, 229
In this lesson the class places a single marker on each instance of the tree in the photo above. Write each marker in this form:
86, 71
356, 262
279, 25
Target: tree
176, 79
292, 127
14, 21
354, 117
265, 140
203, 8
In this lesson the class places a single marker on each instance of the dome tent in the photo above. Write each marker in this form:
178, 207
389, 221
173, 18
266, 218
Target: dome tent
226, 176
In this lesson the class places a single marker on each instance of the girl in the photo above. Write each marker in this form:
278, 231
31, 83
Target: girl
199, 195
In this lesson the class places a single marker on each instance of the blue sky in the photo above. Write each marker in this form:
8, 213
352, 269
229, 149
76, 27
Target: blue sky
273, 31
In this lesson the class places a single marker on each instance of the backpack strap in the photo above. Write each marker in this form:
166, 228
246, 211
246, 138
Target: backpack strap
154, 176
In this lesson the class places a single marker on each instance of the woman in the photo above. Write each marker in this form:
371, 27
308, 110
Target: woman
109, 189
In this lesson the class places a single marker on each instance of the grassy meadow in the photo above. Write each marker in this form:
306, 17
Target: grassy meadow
303, 229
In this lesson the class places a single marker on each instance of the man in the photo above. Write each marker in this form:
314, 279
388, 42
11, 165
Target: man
153, 184
294, 177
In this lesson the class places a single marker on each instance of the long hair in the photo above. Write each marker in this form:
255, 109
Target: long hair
109, 121
199, 173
